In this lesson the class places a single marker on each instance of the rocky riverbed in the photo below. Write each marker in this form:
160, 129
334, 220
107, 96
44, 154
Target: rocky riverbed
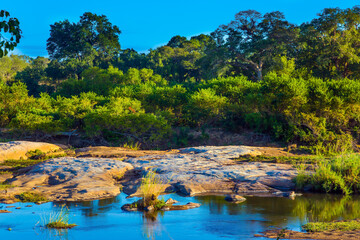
188, 171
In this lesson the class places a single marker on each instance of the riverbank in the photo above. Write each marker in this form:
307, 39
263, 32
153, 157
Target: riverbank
89, 175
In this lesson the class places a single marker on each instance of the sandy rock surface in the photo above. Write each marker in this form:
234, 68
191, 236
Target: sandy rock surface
201, 170
188, 171
72, 179
18, 149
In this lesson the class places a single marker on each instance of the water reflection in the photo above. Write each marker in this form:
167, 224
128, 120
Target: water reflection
54, 234
314, 207
152, 226
93, 208
216, 218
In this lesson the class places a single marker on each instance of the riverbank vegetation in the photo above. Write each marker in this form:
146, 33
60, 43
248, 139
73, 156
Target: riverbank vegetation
295, 83
332, 226
340, 174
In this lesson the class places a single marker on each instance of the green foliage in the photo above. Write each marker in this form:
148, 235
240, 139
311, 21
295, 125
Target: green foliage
151, 188
31, 197
352, 225
206, 107
10, 33
5, 185
340, 174
60, 219
308, 94
11, 65
93, 39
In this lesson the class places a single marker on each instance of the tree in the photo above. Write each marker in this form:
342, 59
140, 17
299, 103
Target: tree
34, 76
12, 33
331, 43
11, 65
93, 39
252, 39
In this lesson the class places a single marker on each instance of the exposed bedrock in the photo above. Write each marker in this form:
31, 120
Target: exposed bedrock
189, 171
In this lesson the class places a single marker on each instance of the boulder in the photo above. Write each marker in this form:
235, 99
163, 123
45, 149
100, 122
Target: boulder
72, 179
18, 149
235, 198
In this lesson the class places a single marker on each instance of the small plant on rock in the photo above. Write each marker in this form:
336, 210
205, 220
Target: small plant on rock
32, 197
151, 187
60, 220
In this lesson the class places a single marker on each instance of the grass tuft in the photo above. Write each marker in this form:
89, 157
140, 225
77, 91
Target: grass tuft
60, 220
32, 197
152, 187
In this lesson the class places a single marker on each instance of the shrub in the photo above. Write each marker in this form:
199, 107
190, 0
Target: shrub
340, 174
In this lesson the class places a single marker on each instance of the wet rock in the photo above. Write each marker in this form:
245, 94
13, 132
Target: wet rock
129, 208
10, 206
18, 208
5, 211
170, 201
187, 206
235, 198
18, 149
149, 208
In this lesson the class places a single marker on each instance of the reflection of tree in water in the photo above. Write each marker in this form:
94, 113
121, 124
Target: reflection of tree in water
152, 227
93, 208
323, 207
275, 211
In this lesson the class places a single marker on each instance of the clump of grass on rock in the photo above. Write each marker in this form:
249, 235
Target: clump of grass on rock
60, 220
32, 197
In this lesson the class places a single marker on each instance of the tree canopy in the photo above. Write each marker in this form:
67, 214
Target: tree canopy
92, 39
10, 33
253, 39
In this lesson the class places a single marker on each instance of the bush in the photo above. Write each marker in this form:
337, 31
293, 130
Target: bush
338, 175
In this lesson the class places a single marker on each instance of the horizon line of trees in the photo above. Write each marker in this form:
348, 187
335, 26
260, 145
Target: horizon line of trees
297, 83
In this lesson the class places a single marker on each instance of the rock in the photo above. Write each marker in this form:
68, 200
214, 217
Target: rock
128, 208
73, 179
18, 208
187, 206
289, 194
149, 208
28, 206
5, 211
235, 198
10, 206
188, 171
116, 152
18, 149
170, 201
208, 170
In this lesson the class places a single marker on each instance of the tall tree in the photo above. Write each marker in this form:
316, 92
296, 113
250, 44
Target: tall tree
331, 43
93, 38
10, 33
252, 39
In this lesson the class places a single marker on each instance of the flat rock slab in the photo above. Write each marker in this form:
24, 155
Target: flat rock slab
71, 179
201, 170
117, 152
189, 171
18, 149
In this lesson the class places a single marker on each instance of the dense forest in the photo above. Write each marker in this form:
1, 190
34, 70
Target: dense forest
296, 83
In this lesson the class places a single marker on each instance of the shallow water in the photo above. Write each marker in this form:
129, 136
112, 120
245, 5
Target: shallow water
215, 219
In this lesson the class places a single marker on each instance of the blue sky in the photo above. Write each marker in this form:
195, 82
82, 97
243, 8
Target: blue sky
148, 24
